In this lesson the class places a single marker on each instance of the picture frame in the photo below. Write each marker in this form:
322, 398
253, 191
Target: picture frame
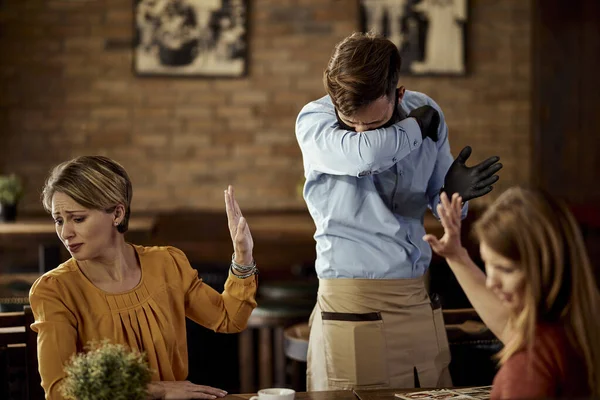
190, 38
430, 34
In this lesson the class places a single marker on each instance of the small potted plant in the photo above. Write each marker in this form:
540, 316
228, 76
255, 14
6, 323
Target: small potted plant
11, 190
107, 371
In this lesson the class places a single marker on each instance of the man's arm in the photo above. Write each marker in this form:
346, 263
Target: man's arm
442, 164
331, 150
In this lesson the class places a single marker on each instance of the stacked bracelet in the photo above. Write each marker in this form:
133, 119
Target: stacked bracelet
245, 271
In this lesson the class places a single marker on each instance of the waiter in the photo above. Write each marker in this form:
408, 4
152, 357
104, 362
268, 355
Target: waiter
376, 156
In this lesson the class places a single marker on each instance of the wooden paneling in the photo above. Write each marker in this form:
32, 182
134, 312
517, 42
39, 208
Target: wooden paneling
566, 98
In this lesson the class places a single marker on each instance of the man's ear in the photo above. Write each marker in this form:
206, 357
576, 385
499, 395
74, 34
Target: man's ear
400, 92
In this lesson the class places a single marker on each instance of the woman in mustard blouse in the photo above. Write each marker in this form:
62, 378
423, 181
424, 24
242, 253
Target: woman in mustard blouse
134, 295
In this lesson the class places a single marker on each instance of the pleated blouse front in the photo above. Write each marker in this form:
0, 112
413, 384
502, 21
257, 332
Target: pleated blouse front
70, 312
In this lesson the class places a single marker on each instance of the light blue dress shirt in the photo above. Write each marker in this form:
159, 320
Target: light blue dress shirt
368, 192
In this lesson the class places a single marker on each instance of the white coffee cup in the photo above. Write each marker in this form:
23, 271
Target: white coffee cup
274, 394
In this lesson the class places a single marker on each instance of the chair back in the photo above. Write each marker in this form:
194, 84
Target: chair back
18, 349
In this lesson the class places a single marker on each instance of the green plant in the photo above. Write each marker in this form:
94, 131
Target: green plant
107, 372
11, 189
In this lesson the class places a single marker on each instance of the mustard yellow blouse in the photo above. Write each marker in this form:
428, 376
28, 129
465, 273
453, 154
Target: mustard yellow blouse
70, 311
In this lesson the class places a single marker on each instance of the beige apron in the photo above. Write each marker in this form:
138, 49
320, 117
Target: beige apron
376, 333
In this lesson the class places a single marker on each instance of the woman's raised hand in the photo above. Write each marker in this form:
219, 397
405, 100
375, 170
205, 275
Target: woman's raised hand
239, 229
449, 246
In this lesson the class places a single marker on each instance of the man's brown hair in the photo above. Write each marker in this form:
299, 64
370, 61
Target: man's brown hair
362, 68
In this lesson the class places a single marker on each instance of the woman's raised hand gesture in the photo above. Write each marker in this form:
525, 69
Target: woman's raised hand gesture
449, 246
239, 229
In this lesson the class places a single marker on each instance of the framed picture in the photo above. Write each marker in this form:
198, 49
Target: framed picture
190, 38
430, 34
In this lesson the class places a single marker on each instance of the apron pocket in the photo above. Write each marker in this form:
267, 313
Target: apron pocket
354, 349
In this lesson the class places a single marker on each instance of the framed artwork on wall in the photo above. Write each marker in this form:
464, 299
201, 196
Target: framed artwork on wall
190, 38
430, 34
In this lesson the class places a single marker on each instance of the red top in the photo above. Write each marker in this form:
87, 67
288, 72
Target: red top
553, 369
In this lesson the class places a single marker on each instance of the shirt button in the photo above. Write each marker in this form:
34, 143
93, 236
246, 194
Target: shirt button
400, 172
394, 159
415, 143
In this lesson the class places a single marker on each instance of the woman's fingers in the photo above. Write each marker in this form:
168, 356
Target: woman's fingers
241, 230
211, 390
238, 226
234, 204
232, 199
231, 205
452, 211
188, 390
229, 208
200, 395
448, 208
236, 207
444, 218
458, 207
233, 212
437, 245
243, 243
188, 394
433, 241
207, 389
440, 211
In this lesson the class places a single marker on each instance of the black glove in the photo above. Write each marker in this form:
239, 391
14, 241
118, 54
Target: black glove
428, 119
471, 182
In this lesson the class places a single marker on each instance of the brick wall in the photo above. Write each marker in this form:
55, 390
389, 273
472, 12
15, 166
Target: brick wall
67, 90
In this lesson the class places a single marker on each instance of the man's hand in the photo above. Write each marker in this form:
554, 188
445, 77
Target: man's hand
471, 182
429, 121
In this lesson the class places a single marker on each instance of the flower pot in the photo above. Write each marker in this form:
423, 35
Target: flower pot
8, 212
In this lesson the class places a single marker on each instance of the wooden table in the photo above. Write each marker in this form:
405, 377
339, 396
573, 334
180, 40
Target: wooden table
330, 395
378, 394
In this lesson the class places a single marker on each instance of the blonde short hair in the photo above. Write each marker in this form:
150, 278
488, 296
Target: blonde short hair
95, 182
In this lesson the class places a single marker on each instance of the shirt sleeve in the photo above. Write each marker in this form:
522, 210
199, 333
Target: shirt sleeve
226, 312
442, 165
328, 149
56, 328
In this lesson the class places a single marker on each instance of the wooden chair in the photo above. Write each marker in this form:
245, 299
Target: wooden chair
19, 343
269, 321
472, 346
281, 304
295, 344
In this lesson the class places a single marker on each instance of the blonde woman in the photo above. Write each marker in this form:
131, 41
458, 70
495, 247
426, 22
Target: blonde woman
134, 295
538, 294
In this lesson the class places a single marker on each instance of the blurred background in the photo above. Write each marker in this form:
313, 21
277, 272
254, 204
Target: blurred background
191, 96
